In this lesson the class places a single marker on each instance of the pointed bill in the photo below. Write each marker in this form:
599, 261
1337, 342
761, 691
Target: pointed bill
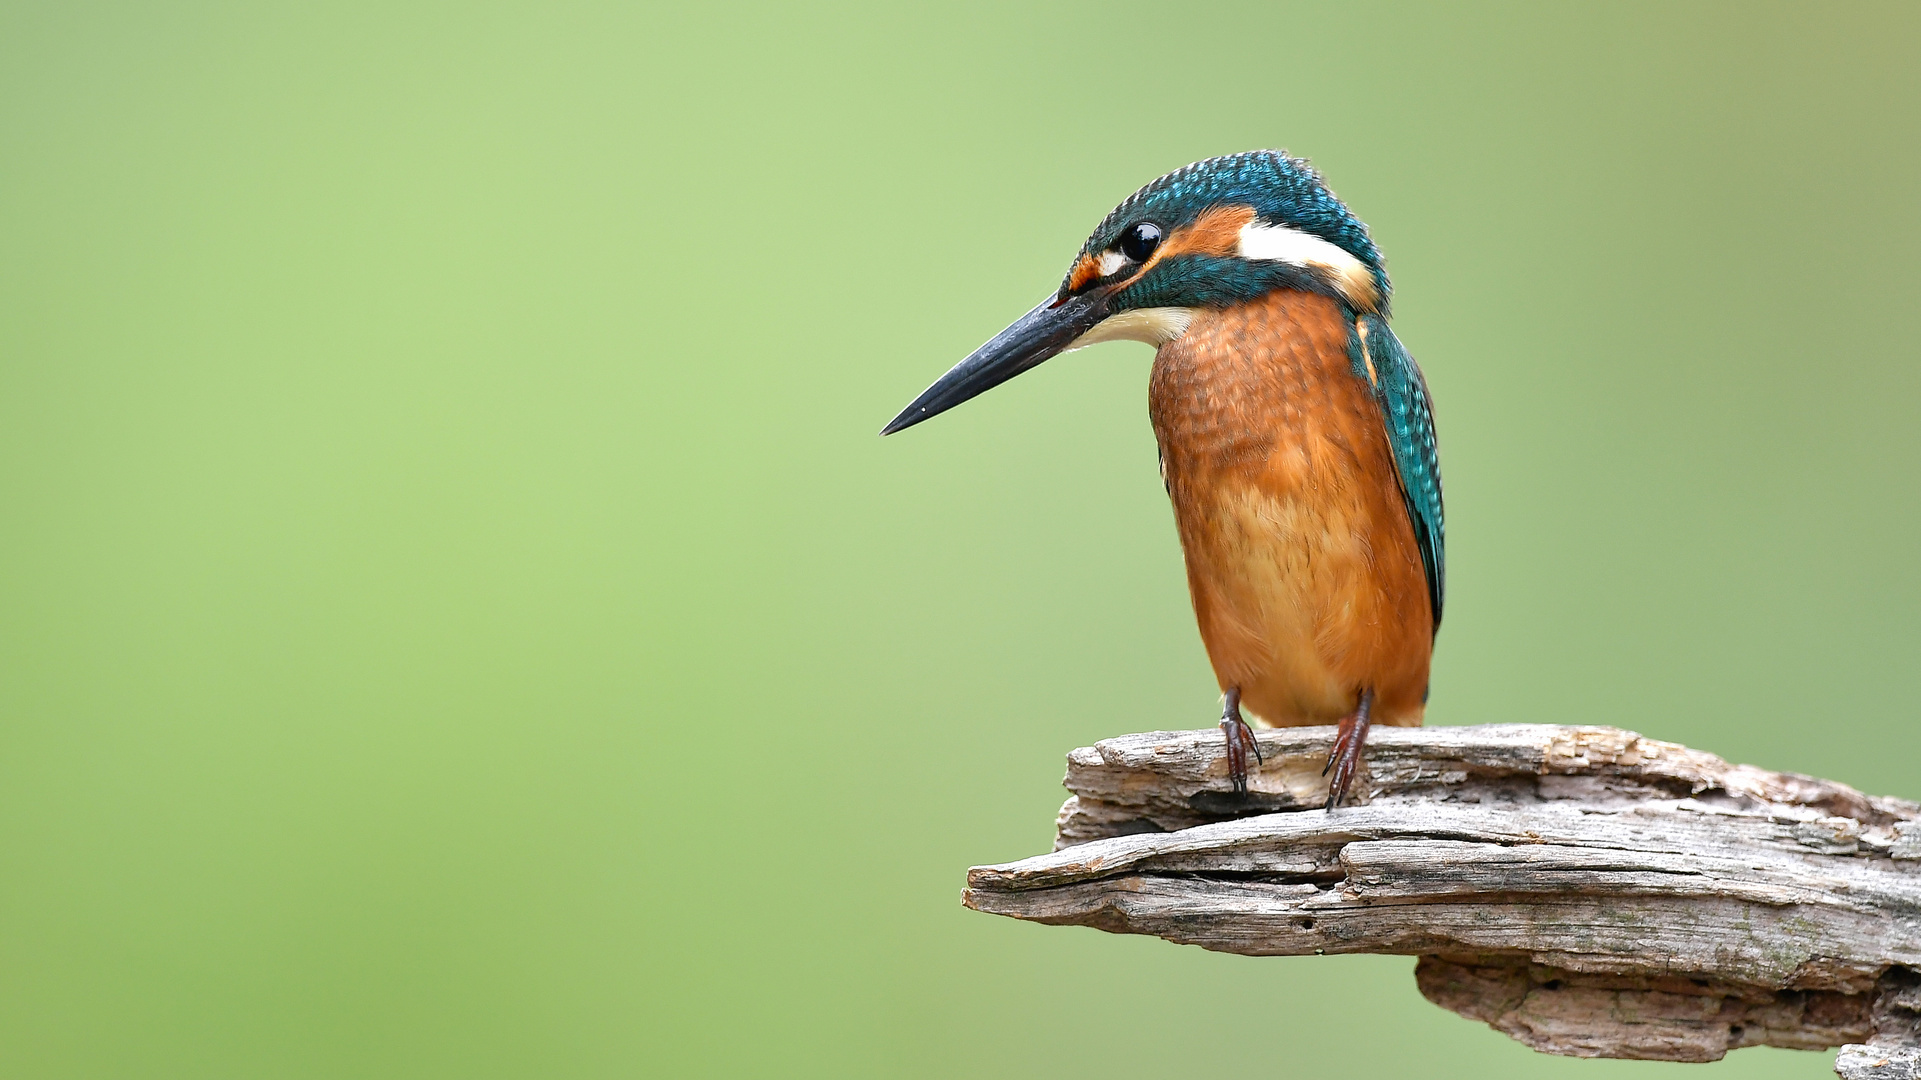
1053, 325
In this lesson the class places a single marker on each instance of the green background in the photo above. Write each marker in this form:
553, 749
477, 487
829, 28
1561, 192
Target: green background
458, 619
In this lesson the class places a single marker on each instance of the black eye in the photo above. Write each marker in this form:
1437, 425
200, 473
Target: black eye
1139, 241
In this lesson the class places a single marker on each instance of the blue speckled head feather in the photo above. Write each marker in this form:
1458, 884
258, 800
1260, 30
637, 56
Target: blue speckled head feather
1282, 190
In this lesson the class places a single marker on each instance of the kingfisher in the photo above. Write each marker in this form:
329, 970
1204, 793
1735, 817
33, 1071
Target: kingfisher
1296, 439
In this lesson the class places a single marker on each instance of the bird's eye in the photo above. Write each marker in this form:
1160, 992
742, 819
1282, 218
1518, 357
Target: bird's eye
1139, 241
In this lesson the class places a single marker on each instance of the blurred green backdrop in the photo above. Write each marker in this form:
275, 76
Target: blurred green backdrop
459, 620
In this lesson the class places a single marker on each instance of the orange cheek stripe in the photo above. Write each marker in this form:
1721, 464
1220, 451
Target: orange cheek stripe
1216, 232
1085, 270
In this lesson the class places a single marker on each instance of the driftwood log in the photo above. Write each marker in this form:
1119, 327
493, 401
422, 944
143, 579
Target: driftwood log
1582, 889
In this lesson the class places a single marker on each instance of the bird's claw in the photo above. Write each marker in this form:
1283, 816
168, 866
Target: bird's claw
1240, 739
1345, 756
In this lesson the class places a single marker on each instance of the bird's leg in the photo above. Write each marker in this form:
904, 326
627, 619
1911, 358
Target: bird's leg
1346, 754
1240, 739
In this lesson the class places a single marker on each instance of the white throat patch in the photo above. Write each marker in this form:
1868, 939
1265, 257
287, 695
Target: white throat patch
1155, 326
1279, 243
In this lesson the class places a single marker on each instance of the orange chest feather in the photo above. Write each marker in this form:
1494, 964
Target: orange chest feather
1302, 563
1264, 395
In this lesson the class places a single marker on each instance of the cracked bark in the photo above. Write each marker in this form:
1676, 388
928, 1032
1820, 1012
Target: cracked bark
1584, 890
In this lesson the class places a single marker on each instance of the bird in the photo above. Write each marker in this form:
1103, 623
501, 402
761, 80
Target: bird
1296, 437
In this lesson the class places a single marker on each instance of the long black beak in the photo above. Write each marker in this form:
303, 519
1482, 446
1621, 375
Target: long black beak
1034, 337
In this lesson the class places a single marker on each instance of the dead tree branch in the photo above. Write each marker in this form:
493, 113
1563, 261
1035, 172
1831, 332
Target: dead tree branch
1581, 889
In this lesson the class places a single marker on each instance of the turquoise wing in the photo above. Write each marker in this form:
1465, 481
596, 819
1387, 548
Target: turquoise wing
1401, 391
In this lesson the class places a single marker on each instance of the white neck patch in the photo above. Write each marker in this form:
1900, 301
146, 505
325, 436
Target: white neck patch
1278, 243
1155, 326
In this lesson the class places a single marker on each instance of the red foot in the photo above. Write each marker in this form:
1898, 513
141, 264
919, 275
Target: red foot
1346, 755
1240, 739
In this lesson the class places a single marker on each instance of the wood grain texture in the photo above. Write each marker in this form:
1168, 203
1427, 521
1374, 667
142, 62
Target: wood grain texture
1582, 889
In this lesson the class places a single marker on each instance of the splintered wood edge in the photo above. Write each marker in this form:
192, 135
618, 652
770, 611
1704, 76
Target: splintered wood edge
1584, 890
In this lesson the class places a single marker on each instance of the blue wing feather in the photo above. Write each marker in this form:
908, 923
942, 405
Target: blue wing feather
1401, 392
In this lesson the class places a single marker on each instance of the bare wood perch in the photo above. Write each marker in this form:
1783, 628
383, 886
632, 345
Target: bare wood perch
1581, 889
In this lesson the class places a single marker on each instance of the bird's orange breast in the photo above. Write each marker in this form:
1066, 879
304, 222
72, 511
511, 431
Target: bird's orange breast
1301, 561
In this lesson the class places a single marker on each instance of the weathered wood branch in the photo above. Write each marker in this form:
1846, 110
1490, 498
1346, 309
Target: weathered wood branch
1581, 889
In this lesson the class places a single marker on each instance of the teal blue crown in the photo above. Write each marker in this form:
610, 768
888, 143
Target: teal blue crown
1282, 190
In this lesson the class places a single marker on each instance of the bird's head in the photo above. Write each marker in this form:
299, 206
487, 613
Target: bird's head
1217, 233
